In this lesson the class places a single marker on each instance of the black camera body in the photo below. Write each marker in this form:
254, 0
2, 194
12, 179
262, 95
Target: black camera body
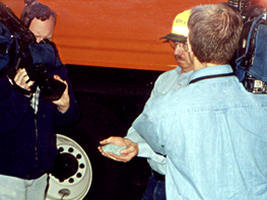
19, 49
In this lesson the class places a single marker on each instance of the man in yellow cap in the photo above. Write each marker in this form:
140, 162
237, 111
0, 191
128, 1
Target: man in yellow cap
177, 39
133, 143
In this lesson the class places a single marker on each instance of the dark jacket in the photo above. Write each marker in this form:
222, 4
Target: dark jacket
24, 152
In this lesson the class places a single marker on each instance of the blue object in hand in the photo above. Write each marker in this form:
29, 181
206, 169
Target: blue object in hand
113, 148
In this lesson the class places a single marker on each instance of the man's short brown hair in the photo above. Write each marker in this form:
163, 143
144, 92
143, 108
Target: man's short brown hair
214, 32
36, 10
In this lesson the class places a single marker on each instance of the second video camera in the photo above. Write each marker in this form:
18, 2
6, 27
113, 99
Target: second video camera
18, 49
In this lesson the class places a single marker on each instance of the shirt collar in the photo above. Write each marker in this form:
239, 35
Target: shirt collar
214, 70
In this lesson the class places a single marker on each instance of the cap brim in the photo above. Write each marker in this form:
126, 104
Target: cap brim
174, 37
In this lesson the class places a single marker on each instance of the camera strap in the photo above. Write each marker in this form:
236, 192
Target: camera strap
211, 76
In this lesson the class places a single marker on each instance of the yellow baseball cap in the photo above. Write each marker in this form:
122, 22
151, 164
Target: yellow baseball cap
179, 30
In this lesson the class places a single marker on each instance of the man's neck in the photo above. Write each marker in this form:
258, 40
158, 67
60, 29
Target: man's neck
198, 65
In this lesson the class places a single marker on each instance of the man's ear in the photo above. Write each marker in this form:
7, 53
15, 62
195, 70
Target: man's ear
189, 45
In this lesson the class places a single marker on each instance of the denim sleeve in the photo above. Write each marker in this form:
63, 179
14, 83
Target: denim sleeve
164, 83
148, 125
144, 150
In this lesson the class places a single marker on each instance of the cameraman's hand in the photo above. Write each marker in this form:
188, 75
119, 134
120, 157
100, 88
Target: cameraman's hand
22, 80
63, 103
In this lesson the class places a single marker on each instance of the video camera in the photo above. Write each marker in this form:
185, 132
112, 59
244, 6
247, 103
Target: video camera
250, 62
19, 49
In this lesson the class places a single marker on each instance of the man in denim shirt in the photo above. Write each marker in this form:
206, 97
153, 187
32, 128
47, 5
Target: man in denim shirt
212, 131
173, 79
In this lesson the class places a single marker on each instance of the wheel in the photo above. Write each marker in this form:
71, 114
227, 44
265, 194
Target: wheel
72, 175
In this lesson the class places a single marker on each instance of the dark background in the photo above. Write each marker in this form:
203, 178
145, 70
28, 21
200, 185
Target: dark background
110, 99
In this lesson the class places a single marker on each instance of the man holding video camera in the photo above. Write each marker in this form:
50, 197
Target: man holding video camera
28, 119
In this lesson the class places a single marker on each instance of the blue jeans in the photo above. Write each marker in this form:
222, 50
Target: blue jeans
155, 189
12, 188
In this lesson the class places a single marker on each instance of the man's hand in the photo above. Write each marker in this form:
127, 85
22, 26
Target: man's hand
63, 103
22, 80
126, 154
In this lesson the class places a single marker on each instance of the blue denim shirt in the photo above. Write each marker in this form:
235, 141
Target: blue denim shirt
214, 134
166, 82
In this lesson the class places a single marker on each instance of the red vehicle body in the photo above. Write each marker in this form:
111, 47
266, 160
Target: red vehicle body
114, 33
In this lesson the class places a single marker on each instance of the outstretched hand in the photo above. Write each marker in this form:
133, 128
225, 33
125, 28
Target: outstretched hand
126, 154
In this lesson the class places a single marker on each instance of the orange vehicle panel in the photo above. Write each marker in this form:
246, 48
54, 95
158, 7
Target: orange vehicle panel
115, 33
